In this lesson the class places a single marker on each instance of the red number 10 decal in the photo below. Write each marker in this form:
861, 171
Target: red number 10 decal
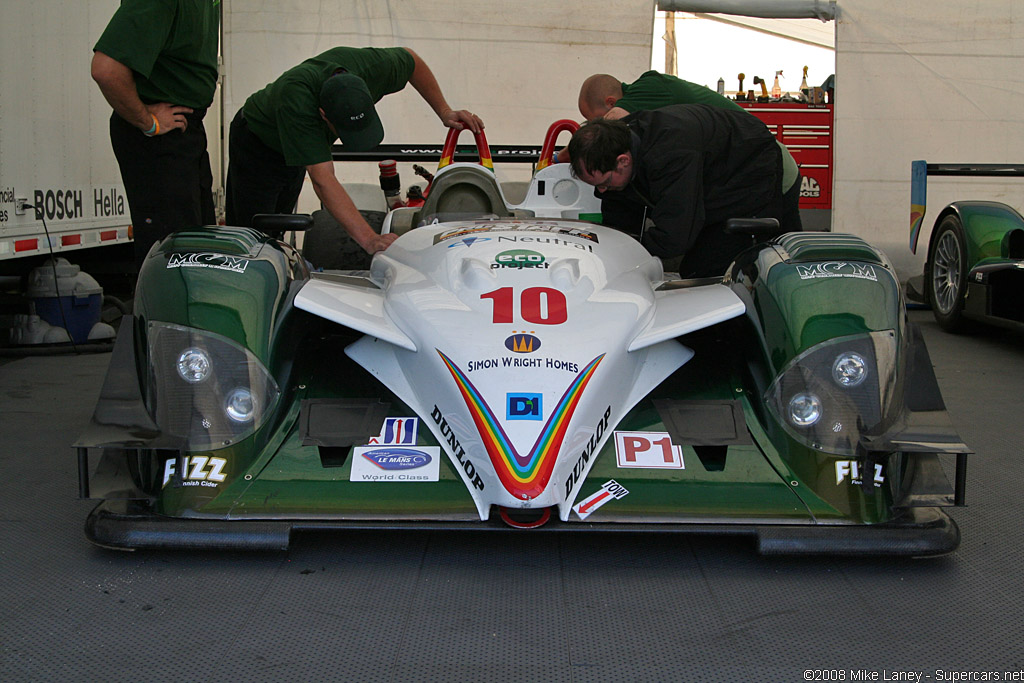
537, 305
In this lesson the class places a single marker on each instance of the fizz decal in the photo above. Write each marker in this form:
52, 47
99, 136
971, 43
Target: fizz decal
198, 470
525, 476
850, 470
391, 464
653, 450
610, 490
215, 261
859, 271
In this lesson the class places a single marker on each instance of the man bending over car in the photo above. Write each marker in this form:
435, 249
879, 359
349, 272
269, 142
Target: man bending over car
691, 167
288, 128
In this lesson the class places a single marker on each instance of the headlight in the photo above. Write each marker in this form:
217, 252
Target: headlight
240, 405
804, 410
193, 365
850, 369
831, 394
206, 387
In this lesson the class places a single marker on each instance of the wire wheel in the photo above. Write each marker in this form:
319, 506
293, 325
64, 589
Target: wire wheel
947, 274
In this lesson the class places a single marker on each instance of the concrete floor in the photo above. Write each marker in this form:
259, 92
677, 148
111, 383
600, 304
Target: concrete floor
435, 606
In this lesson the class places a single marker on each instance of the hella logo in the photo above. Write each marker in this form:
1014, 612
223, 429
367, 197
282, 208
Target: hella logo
397, 458
522, 343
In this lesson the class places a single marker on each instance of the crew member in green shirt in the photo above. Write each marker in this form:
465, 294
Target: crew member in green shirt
156, 64
288, 129
604, 96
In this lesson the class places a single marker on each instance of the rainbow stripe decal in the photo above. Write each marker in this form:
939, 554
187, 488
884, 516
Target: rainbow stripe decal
524, 476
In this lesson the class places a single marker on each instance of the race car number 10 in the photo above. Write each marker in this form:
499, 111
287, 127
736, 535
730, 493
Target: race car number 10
537, 305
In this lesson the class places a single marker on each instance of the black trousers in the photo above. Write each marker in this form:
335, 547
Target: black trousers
167, 179
258, 179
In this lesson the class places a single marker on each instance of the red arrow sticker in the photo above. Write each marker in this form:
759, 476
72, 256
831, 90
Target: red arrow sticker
610, 490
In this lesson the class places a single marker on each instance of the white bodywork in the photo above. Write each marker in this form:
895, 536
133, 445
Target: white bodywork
521, 343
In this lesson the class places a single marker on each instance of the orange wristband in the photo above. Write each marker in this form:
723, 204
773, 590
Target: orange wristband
155, 130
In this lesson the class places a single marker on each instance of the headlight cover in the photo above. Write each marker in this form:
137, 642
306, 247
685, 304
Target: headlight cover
832, 393
206, 387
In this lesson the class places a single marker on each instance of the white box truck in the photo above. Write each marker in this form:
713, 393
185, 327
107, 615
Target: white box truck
60, 188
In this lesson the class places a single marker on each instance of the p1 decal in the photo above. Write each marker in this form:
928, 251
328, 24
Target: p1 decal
390, 464
524, 476
610, 490
524, 407
397, 431
653, 450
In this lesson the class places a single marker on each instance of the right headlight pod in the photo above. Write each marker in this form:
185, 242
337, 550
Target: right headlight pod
206, 387
832, 393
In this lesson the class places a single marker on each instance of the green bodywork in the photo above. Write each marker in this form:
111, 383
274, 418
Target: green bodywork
987, 229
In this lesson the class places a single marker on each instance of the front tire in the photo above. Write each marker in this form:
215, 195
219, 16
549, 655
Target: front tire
946, 275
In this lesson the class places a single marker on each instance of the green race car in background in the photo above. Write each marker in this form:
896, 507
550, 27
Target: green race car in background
975, 261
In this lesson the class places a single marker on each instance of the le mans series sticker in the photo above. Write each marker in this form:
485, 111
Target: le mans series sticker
396, 463
393, 456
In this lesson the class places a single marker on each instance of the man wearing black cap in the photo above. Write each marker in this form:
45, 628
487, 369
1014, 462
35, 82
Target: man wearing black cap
288, 129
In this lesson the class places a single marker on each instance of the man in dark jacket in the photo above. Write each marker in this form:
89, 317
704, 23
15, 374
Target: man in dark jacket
692, 167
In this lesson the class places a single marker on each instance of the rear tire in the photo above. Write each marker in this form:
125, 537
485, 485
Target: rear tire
328, 246
946, 275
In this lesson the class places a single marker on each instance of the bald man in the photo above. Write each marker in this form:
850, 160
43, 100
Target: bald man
604, 96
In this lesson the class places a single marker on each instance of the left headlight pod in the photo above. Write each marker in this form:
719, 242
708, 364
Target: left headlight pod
832, 393
206, 387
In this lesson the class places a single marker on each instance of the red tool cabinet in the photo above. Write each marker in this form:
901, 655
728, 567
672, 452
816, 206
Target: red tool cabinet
806, 130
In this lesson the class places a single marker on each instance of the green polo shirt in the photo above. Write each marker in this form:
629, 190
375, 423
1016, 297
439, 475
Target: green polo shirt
654, 90
285, 115
170, 45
